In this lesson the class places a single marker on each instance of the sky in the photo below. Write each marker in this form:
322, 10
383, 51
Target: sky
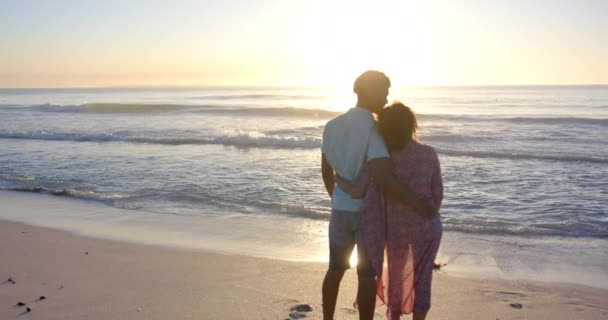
86, 43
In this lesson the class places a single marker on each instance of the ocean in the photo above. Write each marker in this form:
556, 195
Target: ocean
518, 162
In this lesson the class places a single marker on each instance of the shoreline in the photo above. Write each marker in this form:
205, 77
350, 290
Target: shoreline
551, 260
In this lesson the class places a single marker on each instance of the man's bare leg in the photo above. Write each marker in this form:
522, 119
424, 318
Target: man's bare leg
366, 297
331, 286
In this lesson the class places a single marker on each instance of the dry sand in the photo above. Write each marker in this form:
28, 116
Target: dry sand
86, 278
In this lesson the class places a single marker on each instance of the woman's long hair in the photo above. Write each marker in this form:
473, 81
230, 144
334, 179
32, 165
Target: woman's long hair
398, 125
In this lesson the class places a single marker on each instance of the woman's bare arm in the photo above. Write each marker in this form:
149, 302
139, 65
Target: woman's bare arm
436, 185
349, 187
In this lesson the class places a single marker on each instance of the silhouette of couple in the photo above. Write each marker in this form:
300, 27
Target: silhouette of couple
386, 191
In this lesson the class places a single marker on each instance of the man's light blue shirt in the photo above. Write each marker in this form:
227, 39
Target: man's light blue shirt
349, 141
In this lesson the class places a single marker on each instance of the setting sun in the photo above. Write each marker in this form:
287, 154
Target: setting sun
394, 36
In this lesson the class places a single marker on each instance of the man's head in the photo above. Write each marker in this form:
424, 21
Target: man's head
371, 88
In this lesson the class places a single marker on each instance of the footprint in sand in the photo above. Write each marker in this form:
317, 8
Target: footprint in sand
27, 310
516, 305
299, 311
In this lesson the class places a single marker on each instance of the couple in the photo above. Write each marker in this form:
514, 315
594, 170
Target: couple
386, 190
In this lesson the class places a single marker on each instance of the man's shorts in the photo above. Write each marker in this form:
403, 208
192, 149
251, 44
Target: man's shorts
344, 232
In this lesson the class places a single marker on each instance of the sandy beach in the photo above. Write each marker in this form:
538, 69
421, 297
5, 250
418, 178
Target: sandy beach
86, 278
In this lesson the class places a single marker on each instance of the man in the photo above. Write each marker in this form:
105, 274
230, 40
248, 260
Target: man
349, 141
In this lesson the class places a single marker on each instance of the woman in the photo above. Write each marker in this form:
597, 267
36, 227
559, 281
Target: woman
408, 238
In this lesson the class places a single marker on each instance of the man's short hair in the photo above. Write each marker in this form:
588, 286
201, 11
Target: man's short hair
371, 79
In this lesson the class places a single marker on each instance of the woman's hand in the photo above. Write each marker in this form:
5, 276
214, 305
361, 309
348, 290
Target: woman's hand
427, 207
348, 187
338, 179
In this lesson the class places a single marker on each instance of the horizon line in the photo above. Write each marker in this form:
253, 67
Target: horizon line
252, 86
